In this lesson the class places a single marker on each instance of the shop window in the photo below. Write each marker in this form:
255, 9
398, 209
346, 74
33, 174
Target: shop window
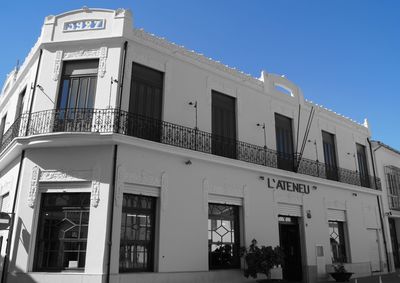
223, 236
62, 232
337, 241
284, 142
137, 233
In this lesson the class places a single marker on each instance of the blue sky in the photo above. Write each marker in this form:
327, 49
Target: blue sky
343, 54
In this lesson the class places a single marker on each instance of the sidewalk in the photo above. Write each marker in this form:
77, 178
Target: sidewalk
386, 278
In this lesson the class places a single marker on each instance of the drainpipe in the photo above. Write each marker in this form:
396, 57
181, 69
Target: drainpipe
11, 229
33, 92
111, 211
379, 206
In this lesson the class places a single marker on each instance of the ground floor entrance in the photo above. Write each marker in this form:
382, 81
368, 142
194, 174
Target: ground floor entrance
395, 244
289, 237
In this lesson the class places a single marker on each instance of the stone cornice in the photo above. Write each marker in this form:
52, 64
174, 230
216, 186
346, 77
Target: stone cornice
139, 33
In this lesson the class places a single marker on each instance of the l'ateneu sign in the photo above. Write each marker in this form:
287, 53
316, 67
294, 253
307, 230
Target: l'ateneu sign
289, 186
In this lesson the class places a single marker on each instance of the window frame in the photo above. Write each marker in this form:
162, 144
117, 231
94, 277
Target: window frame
344, 246
285, 160
331, 170
35, 232
237, 237
152, 253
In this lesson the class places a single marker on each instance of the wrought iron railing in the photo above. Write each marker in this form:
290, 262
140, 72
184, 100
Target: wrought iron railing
125, 123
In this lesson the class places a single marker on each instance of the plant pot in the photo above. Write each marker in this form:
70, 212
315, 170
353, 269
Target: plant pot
341, 276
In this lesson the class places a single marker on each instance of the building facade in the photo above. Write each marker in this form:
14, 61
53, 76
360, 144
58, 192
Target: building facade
388, 167
127, 157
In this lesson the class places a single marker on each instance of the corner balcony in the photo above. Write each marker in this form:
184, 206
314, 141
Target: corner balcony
129, 124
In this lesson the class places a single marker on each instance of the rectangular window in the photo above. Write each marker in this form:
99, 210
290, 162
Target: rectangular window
331, 168
2, 127
76, 96
145, 104
62, 232
20, 105
223, 116
5, 203
363, 165
284, 142
137, 233
392, 174
223, 236
337, 241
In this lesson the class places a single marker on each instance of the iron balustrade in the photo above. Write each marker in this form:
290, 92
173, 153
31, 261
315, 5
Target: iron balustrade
82, 120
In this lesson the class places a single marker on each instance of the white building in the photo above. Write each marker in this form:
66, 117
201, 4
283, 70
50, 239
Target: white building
127, 158
387, 161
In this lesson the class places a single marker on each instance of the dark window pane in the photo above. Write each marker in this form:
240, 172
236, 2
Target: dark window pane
62, 231
223, 236
284, 142
337, 241
145, 103
363, 165
223, 125
137, 233
330, 156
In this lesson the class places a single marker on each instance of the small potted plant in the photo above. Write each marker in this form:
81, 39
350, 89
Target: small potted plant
340, 274
261, 259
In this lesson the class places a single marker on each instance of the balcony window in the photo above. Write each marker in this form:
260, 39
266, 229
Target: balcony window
223, 118
329, 146
62, 232
145, 104
223, 236
363, 165
392, 175
284, 142
137, 233
76, 97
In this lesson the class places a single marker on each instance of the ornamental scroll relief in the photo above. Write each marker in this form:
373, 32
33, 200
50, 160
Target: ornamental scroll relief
100, 53
50, 176
33, 190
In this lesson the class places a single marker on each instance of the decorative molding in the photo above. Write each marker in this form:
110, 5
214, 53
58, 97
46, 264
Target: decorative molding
102, 61
206, 189
33, 190
142, 178
195, 56
57, 65
120, 185
6, 185
164, 191
89, 53
95, 194
100, 53
70, 176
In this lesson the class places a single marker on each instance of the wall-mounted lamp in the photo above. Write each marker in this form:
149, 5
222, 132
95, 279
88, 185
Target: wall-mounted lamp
40, 87
388, 213
355, 194
308, 213
194, 104
188, 162
261, 178
265, 133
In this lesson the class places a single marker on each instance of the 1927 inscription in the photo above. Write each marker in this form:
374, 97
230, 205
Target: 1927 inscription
84, 25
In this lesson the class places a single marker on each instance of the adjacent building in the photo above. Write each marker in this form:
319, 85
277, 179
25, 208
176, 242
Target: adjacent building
128, 158
388, 167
